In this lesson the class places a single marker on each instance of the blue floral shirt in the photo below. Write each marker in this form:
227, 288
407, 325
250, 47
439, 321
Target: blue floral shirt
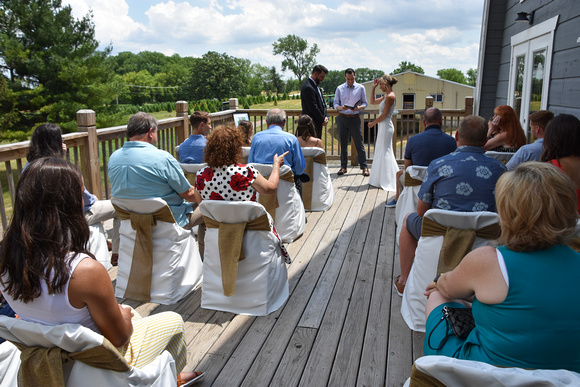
463, 180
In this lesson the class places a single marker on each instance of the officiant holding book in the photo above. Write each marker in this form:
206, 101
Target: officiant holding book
349, 99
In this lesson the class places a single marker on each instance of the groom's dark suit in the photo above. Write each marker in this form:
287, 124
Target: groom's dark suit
313, 105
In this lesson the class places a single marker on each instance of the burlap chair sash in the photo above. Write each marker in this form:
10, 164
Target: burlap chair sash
307, 187
191, 177
419, 379
230, 242
139, 282
43, 366
270, 202
411, 182
457, 242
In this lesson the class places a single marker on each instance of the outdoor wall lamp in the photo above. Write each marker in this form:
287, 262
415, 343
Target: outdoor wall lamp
526, 17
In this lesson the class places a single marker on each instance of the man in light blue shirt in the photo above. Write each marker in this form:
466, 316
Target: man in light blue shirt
191, 150
533, 151
275, 140
349, 99
139, 170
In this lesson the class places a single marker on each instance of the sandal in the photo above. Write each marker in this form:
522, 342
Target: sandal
341, 171
198, 377
399, 288
366, 172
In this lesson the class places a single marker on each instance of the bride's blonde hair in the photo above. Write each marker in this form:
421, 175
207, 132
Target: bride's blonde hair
387, 78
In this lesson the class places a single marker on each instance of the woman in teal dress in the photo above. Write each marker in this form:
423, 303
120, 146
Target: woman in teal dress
524, 293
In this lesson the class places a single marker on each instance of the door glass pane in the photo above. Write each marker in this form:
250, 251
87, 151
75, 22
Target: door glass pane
537, 81
520, 64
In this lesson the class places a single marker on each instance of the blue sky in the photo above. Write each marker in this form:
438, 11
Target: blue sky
378, 34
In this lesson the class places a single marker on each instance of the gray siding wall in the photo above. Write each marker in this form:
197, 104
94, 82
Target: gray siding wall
564, 92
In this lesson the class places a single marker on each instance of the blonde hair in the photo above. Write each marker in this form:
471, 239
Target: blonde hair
388, 79
537, 206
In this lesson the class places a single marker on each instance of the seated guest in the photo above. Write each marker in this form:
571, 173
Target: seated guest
139, 170
518, 322
306, 133
48, 277
425, 147
46, 141
562, 147
274, 140
247, 130
224, 178
533, 151
505, 134
191, 150
460, 181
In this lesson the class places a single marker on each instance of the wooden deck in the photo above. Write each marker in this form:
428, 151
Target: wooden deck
341, 325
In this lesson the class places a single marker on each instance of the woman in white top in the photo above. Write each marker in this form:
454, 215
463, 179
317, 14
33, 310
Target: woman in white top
306, 133
47, 276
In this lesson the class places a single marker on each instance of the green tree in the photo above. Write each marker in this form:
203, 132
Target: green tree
471, 77
217, 76
298, 58
452, 75
365, 74
408, 66
52, 61
275, 82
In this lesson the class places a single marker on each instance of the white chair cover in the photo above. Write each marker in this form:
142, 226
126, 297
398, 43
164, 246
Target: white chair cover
322, 191
424, 267
504, 157
9, 364
192, 168
245, 154
290, 220
177, 266
262, 279
73, 338
408, 198
456, 372
98, 244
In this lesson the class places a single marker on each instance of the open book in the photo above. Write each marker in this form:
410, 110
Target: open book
353, 106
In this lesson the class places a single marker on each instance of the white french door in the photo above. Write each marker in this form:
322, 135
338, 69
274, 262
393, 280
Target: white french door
531, 59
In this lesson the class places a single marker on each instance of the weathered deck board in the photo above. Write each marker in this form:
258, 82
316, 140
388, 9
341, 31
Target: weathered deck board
341, 325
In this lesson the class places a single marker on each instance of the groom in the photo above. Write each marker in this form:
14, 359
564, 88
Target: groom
312, 101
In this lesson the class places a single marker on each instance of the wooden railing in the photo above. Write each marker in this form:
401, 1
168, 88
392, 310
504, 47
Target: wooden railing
90, 148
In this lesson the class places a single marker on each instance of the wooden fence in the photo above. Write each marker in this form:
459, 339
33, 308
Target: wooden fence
90, 148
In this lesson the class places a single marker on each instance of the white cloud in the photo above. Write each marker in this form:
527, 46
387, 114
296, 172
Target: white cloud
111, 19
380, 34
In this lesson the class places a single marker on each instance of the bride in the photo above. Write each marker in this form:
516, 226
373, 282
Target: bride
384, 167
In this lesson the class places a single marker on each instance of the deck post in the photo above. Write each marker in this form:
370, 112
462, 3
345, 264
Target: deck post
233, 103
181, 111
468, 105
90, 163
428, 105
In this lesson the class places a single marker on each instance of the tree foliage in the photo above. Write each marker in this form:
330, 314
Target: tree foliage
218, 76
408, 66
471, 77
51, 62
336, 77
298, 58
452, 75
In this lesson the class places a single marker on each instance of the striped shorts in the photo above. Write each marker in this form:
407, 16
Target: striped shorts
154, 334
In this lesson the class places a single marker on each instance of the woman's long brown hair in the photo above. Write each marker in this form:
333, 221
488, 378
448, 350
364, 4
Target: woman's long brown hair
47, 224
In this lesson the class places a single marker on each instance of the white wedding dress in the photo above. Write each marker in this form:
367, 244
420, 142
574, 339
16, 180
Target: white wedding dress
384, 168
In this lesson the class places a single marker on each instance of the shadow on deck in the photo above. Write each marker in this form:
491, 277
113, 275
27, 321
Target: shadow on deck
341, 325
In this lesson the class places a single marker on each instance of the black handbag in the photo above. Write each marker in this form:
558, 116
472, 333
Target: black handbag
459, 319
